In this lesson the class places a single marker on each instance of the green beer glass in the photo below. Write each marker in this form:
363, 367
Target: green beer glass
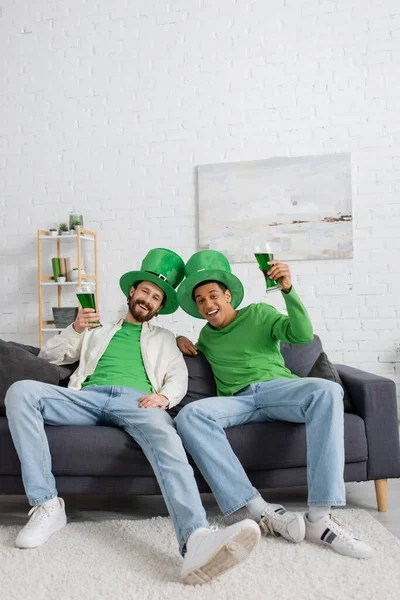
87, 299
263, 254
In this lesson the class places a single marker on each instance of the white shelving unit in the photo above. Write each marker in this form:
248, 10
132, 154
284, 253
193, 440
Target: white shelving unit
46, 281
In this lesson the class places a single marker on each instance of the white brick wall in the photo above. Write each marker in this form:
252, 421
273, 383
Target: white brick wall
108, 107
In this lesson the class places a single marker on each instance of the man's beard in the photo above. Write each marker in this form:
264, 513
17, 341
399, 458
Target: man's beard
139, 314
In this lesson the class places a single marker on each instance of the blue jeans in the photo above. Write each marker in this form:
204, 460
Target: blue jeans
31, 404
316, 402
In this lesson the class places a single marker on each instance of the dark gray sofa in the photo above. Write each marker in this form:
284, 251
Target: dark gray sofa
105, 460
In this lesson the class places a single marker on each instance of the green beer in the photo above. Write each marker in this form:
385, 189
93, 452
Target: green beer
262, 259
87, 299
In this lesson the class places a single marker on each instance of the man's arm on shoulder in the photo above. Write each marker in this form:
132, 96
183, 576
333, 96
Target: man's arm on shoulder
186, 346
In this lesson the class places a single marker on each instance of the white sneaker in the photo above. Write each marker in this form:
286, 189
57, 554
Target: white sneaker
289, 525
210, 552
46, 519
330, 532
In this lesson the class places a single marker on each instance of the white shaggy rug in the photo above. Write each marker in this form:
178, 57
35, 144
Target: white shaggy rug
124, 559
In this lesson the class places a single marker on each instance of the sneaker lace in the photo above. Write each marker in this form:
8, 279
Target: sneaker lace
273, 522
336, 526
39, 514
266, 525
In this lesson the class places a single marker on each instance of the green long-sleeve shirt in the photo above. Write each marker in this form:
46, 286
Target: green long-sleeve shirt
248, 350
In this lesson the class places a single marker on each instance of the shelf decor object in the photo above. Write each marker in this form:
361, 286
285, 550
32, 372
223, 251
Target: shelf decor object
64, 315
75, 220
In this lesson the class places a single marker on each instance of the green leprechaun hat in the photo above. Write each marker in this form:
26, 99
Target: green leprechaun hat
207, 265
163, 267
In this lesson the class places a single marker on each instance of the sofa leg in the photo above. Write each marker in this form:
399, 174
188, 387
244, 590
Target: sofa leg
381, 494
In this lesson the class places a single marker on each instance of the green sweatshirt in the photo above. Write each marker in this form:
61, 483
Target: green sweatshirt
248, 350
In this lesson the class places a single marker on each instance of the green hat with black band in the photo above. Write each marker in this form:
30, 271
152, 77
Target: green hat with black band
207, 265
163, 267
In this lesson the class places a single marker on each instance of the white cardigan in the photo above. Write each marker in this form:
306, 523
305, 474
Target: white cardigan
163, 361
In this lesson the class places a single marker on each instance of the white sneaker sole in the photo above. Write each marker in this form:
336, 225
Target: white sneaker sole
232, 552
34, 543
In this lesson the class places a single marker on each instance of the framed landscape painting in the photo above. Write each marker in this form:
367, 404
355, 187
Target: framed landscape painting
300, 205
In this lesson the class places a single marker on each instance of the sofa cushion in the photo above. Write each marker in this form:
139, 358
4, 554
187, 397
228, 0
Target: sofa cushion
324, 369
299, 358
201, 383
32, 349
282, 445
80, 450
19, 362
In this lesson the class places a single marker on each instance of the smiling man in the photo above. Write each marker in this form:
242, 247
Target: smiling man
253, 385
129, 372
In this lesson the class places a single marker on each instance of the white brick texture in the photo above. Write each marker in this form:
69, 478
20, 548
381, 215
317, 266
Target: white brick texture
108, 108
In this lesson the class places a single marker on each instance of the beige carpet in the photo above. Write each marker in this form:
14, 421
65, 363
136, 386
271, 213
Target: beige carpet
124, 559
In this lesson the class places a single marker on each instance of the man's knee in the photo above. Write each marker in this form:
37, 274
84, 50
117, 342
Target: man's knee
332, 389
329, 394
19, 395
154, 419
14, 393
325, 385
187, 416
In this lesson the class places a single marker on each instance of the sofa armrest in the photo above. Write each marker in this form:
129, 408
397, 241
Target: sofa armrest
374, 400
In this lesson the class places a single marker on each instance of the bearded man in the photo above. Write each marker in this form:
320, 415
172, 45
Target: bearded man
129, 372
